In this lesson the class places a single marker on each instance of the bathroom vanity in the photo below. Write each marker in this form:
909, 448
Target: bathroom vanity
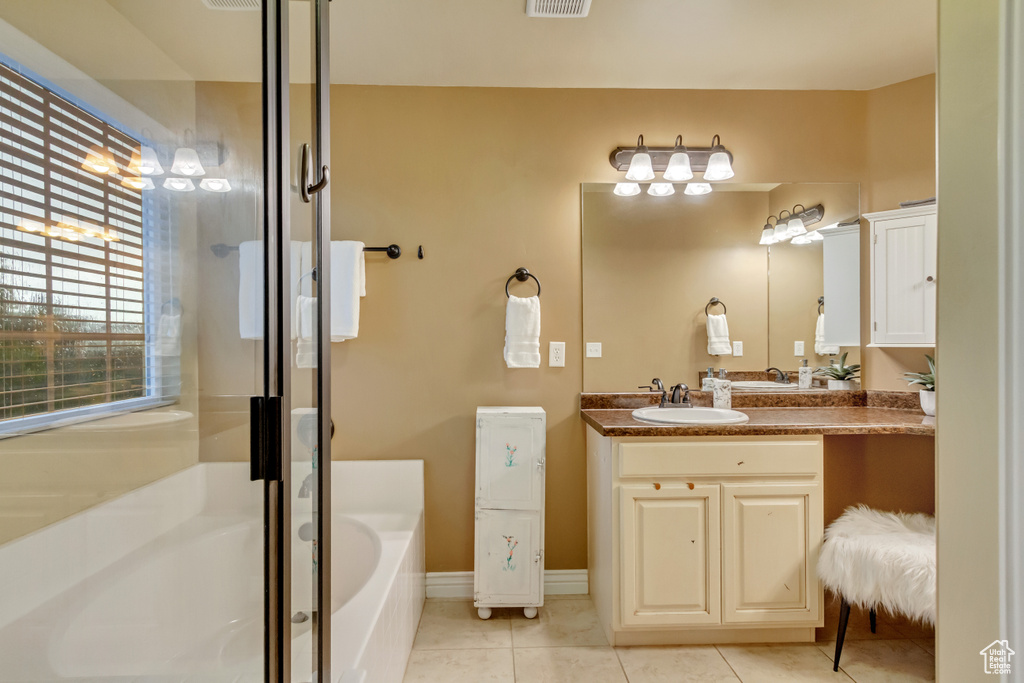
710, 533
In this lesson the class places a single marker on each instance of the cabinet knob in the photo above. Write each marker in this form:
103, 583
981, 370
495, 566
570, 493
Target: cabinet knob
540, 464
536, 558
930, 278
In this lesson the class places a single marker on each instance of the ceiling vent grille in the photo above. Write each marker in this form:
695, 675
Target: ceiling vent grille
234, 5
558, 9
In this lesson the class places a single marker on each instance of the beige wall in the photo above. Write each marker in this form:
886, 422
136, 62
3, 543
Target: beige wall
900, 166
488, 180
968, 485
650, 266
796, 274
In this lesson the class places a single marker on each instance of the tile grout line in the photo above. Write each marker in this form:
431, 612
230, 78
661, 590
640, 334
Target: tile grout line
832, 661
728, 663
625, 675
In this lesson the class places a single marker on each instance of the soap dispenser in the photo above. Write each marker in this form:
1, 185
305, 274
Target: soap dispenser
804, 374
708, 383
723, 391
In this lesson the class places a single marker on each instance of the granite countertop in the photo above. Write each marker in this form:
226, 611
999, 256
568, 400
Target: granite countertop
852, 412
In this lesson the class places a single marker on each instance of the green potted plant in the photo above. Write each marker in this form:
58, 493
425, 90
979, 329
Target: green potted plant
927, 382
840, 376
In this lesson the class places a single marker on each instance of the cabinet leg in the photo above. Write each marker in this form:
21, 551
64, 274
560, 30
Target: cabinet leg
529, 612
484, 612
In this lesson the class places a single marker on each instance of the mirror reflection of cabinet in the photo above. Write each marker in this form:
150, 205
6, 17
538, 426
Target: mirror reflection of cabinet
903, 262
841, 265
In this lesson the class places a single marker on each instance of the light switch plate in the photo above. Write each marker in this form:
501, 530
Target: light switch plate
593, 349
556, 354
737, 348
798, 348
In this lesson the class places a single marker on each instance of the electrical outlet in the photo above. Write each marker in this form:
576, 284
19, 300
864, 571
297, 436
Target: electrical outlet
737, 348
798, 348
593, 349
556, 354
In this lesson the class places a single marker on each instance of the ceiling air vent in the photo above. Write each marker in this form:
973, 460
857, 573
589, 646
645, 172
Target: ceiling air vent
233, 4
558, 9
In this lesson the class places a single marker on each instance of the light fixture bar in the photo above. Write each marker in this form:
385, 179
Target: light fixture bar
621, 156
810, 216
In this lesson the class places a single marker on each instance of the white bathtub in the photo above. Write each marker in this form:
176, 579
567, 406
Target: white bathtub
166, 583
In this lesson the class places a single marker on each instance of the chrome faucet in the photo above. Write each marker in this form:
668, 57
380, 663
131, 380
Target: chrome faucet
681, 396
661, 387
781, 378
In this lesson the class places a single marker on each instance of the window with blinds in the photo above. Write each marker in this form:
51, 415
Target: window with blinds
73, 272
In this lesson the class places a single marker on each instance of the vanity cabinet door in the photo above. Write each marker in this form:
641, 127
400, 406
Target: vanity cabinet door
510, 462
903, 281
770, 539
670, 553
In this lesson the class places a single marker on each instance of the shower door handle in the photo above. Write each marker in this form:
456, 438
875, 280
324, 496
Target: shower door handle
306, 191
265, 438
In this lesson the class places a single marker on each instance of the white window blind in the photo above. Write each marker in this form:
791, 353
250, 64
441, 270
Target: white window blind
73, 314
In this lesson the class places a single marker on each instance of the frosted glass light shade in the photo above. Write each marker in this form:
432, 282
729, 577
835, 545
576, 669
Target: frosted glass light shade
179, 185
145, 162
99, 160
780, 232
795, 227
719, 167
215, 185
815, 236
678, 167
661, 189
186, 162
137, 183
697, 188
767, 235
801, 239
640, 166
626, 189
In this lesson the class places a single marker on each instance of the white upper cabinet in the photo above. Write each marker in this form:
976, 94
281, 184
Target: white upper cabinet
903, 263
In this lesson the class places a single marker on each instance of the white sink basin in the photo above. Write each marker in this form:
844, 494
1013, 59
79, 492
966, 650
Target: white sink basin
763, 386
690, 416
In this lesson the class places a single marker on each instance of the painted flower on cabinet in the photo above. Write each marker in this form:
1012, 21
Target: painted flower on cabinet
511, 542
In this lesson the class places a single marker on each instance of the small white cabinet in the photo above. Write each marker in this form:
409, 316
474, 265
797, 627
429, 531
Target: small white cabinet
510, 461
903, 280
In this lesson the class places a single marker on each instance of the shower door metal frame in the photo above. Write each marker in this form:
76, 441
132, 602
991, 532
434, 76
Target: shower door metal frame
272, 421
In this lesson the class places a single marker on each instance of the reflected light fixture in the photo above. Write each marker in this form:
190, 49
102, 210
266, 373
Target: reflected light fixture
186, 162
99, 160
697, 188
215, 185
719, 163
145, 162
815, 236
801, 239
137, 183
640, 166
793, 225
679, 163
626, 189
179, 185
661, 189
768, 233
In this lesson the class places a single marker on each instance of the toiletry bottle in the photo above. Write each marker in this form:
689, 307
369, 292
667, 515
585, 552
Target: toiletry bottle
805, 376
723, 392
722, 373
708, 383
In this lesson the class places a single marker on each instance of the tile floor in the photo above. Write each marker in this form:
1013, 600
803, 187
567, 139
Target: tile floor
565, 644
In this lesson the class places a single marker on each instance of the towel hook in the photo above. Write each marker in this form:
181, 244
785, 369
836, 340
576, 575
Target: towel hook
715, 300
521, 274
821, 302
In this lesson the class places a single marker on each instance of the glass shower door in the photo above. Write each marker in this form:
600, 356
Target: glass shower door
147, 216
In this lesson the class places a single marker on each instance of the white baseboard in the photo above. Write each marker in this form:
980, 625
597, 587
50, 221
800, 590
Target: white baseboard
460, 584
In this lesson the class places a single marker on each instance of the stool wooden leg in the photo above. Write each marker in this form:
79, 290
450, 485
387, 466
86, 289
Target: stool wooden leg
844, 618
872, 617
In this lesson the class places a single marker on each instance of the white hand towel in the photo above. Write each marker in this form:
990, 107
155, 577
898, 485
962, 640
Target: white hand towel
348, 283
820, 347
718, 336
522, 332
305, 326
168, 335
250, 284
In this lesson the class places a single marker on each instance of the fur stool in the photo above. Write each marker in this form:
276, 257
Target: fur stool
871, 558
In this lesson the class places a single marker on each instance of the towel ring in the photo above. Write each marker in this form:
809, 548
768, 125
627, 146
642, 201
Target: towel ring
715, 300
521, 274
821, 302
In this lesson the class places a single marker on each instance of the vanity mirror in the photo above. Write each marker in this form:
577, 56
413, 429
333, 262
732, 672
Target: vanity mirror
651, 264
